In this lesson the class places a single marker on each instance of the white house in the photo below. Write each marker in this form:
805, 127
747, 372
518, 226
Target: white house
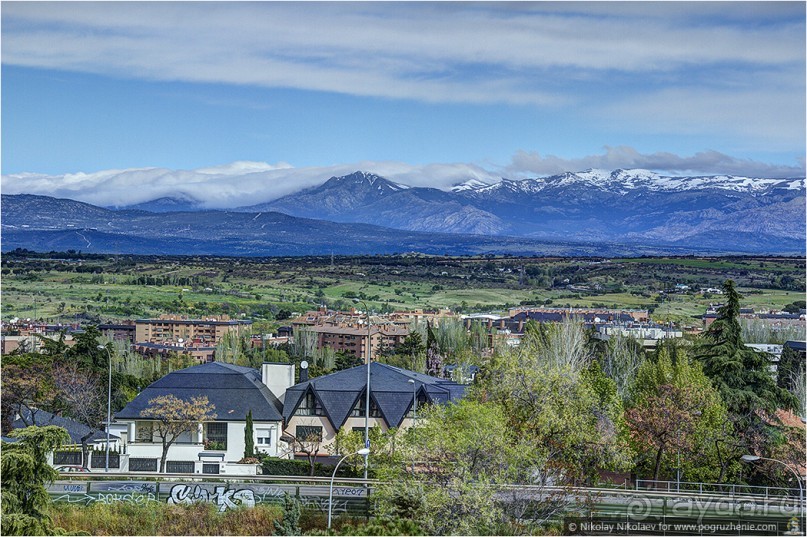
215, 447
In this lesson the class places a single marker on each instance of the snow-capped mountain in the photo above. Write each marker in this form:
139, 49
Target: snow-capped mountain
624, 181
637, 207
634, 205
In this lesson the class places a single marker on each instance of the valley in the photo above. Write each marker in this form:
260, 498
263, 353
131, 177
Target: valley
73, 286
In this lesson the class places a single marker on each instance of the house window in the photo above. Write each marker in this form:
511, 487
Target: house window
264, 437
144, 431
306, 432
309, 406
216, 435
361, 404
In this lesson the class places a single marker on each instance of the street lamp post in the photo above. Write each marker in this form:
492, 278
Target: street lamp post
414, 402
414, 415
363, 452
367, 400
108, 403
754, 458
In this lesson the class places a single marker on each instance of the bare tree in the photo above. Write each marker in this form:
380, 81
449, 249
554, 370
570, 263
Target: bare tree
83, 395
621, 362
560, 344
173, 417
81, 392
305, 342
308, 444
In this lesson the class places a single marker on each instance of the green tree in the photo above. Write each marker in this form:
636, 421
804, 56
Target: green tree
749, 390
26, 473
462, 450
572, 416
434, 358
27, 385
558, 344
249, 437
386, 446
741, 374
673, 408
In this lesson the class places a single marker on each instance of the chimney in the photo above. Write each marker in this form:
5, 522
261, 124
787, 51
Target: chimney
304, 371
278, 378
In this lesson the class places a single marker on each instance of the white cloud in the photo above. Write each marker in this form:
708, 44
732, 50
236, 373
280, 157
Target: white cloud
248, 183
445, 52
623, 157
227, 186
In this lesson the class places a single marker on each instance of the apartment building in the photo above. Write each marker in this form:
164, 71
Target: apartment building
170, 329
353, 338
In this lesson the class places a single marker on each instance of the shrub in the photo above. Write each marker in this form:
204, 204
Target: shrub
154, 518
290, 523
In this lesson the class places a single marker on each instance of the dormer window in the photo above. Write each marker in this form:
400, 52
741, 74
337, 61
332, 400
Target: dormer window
361, 404
309, 406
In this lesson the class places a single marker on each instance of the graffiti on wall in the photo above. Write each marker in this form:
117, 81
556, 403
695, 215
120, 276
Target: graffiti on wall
225, 498
136, 498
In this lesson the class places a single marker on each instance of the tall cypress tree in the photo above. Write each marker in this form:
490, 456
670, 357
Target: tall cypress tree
249, 437
741, 374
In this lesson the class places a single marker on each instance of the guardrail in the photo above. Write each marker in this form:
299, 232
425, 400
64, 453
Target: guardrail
719, 488
162, 485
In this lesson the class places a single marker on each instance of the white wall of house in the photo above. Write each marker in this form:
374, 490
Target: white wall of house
189, 446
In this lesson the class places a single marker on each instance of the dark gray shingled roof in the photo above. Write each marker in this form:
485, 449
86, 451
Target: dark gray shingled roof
76, 430
233, 390
389, 389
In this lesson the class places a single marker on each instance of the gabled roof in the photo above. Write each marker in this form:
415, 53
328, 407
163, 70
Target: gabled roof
233, 390
390, 389
78, 431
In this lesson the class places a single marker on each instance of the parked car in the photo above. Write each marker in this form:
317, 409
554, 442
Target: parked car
69, 468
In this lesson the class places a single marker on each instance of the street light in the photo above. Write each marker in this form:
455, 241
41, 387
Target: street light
414, 416
108, 403
754, 458
414, 402
363, 452
367, 400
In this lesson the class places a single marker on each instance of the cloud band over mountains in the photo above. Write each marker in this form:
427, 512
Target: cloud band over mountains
248, 183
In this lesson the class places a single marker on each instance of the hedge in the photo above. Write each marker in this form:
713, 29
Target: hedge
277, 466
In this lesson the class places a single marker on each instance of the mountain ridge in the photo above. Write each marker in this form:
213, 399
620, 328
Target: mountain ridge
619, 205
42, 223
638, 207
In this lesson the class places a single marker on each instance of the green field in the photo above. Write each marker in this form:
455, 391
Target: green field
70, 287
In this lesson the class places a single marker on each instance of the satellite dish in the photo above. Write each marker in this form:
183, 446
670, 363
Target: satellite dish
303, 365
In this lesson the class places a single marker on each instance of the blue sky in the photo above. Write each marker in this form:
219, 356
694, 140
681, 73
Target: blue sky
453, 89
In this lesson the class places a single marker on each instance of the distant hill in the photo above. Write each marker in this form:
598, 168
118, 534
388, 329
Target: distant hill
166, 205
43, 223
